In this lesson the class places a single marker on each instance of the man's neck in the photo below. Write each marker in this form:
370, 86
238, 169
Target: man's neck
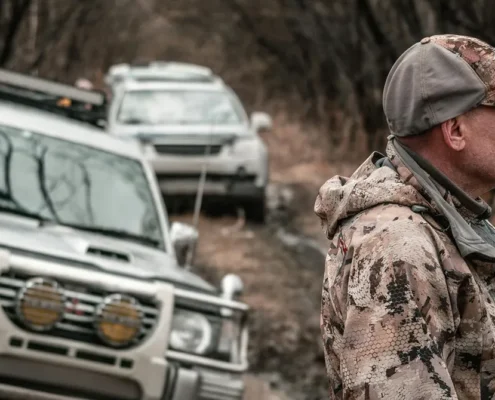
443, 175
468, 185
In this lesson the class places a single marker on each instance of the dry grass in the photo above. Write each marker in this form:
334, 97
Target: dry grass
299, 157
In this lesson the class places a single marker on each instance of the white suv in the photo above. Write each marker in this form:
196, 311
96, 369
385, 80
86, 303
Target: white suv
93, 301
187, 119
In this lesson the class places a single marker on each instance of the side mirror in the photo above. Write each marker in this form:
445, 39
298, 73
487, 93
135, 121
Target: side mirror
261, 121
184, 239
232, 286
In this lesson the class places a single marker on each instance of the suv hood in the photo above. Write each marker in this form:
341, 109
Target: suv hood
105, 253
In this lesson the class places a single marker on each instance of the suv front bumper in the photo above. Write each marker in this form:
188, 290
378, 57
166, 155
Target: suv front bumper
40, 366
47, 382
218, 185
56, 365
226, 176
202, 384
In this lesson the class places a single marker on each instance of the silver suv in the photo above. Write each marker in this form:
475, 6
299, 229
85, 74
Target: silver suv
188, 119
93, 301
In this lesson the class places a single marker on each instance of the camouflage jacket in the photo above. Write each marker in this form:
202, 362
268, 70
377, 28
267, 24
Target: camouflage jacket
403, 316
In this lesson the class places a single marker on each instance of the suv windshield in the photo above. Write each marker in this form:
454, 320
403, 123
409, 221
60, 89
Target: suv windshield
155, 107
76, 185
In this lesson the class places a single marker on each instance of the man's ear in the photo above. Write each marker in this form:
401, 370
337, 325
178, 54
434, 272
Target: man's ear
453, 134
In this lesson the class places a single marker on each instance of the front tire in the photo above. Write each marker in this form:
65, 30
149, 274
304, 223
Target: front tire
256, 210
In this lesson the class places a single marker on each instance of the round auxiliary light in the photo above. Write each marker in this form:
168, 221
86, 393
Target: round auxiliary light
64, 102
40, 304
119, 320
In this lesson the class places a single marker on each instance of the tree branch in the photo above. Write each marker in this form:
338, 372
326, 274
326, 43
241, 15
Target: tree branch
19, 11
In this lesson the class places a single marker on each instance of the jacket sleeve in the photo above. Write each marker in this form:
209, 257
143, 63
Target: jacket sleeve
386, 315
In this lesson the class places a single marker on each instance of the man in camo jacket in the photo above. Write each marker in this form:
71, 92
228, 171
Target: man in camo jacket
407, 307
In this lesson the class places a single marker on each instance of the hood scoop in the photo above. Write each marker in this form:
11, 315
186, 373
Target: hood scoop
108, 254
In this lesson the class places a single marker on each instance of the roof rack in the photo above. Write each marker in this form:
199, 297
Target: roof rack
159, 71
79, 104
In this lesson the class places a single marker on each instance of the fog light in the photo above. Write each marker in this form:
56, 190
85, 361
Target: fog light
64, 102
40, 304
119, 320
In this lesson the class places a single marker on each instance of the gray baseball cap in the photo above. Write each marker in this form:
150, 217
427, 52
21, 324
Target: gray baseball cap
437, 79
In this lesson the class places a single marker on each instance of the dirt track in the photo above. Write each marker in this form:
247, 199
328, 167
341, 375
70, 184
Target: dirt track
281, 265
282, 274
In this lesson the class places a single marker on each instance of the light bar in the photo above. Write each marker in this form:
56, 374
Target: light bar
54, 88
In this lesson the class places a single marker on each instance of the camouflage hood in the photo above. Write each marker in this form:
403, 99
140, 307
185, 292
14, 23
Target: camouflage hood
408, 183
341, 198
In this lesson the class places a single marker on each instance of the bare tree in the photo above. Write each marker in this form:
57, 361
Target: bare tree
12, 15
319, 57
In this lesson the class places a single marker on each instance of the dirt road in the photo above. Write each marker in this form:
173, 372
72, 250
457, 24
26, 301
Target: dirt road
282, 271
281, 265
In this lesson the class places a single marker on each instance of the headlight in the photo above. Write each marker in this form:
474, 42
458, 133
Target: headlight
191, 332
247, 148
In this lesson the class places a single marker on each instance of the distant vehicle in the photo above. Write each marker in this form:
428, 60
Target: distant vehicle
94, 303
186, 116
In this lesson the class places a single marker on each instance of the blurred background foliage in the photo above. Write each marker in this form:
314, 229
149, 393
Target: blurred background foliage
322, 61
317, 65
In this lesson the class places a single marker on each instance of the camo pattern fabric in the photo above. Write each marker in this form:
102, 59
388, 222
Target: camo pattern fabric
403, 315
478, 54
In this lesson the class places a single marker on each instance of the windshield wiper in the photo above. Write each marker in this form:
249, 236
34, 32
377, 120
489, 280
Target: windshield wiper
104, 231
117, 233
24, 213
133, 121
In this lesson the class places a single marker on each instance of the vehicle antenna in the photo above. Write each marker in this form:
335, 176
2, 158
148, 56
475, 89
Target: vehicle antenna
199, 194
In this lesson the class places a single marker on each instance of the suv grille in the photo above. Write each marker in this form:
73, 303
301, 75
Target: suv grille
187, 149
80, 310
